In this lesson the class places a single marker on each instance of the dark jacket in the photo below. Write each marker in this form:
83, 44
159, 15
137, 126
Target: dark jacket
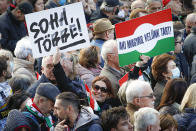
11, 30
189, 46
63, 83
158, 91
187, 120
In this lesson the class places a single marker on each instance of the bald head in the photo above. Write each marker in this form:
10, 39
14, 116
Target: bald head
138, 4
190, 22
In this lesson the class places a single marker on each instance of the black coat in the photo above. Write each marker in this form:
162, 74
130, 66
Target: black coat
11, 30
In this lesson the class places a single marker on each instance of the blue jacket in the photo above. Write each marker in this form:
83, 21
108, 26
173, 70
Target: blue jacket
187, 120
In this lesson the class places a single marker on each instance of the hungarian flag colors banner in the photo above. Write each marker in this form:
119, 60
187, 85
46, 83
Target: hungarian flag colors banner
149, 35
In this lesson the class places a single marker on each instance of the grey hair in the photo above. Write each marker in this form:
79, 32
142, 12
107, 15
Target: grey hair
23, 48
135, 89
106, 8
145, 117
149, 2
108, 47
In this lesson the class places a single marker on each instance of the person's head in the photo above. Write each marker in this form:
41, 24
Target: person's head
138, 4
110, 6
146, 119
173, 92
175, 5
137, 13
4, 4
162, 66
168, 123
17, 101
45, 97
140, 94
190, 22
47, 68
109, 53
22, 9
103, 28
153, 6
5, 69
9, 57
7, 54
23, 49
189, 99
116, 119
18, 121
122, 92
102, 88
67, 107
178, 41
38, 5
89, 57
20, 83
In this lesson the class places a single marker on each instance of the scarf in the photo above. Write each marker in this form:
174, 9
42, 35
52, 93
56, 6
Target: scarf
31, 107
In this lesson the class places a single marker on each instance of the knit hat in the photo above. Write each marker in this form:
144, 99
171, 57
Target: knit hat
112, 3
101, 25
16, 120
165, 2
25, 7
48, 90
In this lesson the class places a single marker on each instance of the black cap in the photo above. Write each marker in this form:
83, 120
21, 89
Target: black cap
112, 3
48, 90
25, 7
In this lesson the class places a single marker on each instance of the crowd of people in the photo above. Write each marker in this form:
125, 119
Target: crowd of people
79, 90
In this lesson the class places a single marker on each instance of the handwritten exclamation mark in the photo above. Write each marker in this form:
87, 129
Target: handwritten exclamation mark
79, 26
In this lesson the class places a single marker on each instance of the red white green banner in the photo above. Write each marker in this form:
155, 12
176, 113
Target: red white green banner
149, 35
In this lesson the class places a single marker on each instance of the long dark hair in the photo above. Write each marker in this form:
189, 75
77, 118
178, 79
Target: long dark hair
173, 92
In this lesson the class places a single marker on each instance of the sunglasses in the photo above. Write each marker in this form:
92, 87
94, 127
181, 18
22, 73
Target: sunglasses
103, 89
150, 96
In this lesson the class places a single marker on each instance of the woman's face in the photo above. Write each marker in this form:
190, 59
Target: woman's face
39, 5
99, 91
170, 66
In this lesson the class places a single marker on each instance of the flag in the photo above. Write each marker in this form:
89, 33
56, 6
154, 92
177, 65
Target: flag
149, 35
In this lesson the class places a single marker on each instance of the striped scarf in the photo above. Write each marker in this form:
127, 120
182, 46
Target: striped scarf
31, 107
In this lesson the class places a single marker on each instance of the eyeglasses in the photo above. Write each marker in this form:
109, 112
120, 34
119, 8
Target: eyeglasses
103, 89
150, 96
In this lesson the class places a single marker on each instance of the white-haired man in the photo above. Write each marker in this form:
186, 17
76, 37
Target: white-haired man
24, 61
153, 6
139, 94
111, 67
147, 119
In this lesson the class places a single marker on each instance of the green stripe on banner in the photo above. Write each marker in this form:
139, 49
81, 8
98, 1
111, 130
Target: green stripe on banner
162, 46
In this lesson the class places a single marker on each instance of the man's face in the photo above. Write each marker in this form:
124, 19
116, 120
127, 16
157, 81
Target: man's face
124, 125
46, 107
154, 7
137, 4
176, 6
59, 110
114, 55
147, 99
188, 25
156, 126
3, 5
47, 68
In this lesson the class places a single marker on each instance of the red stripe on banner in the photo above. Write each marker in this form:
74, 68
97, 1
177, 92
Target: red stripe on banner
92, 103
123, 79
128, 28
